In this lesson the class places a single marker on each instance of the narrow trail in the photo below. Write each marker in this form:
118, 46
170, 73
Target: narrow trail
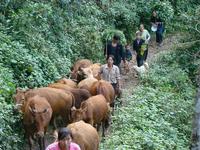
129, 81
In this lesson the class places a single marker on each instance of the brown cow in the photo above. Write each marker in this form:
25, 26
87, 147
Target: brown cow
60, 101
36, 118
89, 81
95, 111
83, 63
105, 88
68, 82
84, 135
80, 95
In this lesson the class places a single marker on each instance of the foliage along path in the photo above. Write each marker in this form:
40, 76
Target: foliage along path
130, 82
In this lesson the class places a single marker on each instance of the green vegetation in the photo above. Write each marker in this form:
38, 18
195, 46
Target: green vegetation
159, 112
40, 40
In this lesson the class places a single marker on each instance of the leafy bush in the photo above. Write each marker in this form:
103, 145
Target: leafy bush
11, 133
109, 33
158, 115
10, 127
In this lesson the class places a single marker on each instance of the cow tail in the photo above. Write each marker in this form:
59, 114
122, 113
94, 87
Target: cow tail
72, 106
108, 117
100, 89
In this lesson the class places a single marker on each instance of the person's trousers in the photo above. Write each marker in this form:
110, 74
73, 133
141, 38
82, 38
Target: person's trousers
140, 60
146, 53
159, 37
114, 85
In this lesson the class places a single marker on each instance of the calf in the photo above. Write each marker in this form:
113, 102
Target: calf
36, 118
95, 111
84, 135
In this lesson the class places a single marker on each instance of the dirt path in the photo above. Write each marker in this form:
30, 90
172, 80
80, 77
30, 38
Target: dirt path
129, 81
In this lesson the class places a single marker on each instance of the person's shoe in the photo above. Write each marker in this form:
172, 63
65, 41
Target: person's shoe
160, 44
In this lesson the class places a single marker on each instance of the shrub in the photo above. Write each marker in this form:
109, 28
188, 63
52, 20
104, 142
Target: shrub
10, 127
158, 115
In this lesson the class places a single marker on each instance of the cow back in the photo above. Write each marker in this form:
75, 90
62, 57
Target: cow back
84, 135
80, 95
104, 88
60, 101
97, 109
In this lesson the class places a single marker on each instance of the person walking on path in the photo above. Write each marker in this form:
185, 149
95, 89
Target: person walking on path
139, 47
64, 141
110, 72
116, 49
158, 23
146, 37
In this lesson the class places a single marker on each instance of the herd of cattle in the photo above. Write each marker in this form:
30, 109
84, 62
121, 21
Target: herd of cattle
82, 103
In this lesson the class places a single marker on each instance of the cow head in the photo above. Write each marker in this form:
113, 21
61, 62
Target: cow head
19, 98
78, 114
41, 118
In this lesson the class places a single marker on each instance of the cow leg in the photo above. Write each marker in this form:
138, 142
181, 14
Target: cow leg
103, 128
41, 143
98, 127
54, 123
30, 141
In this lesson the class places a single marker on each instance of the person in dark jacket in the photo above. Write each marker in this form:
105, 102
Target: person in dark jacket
157, 21
128, 54
116, 49
139, 48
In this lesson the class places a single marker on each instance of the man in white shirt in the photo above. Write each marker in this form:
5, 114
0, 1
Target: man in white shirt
111, 73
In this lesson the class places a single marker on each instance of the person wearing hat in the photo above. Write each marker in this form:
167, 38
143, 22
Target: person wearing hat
64, 141
157, 23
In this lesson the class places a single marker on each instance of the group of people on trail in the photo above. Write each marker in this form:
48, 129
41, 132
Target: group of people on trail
114, 50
